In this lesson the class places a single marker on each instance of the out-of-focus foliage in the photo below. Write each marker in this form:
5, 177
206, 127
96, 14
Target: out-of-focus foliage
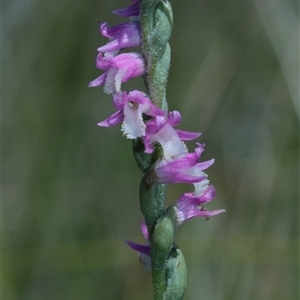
70, 188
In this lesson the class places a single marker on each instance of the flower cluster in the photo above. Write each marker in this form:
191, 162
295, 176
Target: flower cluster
140, 118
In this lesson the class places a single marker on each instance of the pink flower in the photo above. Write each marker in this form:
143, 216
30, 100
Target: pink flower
118, 69
160, 130
121, 36
190, 206
183, 169
131, 108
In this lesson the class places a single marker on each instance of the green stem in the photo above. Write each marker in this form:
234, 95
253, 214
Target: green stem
168, 279
156, 27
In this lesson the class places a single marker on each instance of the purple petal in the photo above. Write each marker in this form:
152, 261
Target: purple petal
190, 199
194, 212
155, 111
187, 136
155, 125
142, 98
177, 171
138, 97
175, 177
174, 118
144, 230
206, 164
133, 63
149, 148
132, 10
145, 249
121, 36
182, 163
104, 62
209, 194
114, 119
98, 81
120, 99
118, 30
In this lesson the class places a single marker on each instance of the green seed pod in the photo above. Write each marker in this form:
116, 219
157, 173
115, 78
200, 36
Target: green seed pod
176, 277
162, 238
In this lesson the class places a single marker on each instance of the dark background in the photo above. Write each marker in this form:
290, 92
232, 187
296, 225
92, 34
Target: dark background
70, 188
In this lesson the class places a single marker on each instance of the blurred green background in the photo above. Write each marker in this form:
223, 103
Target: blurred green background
70, 188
